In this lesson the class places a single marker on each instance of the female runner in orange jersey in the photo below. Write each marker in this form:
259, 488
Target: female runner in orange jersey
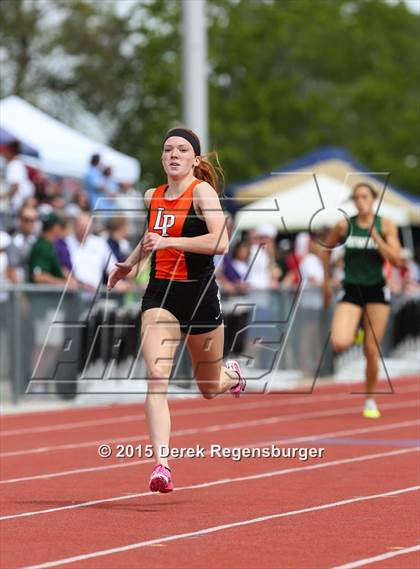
186, 228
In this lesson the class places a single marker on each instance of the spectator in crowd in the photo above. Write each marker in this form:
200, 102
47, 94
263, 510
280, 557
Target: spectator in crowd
58, 202
310, 308
41, 184
111, 188
94, 182
110, 184
5, 275
44, 265
22, 243
31, 202
240, 263
262, 279
233, 270
311, 267
405, 279
222, 262
282, 251
263, 271
294, 258
90, 255
129, 199
118, 230
302, 244
61, 247
117, 239
81, 199
19, 186
236, 270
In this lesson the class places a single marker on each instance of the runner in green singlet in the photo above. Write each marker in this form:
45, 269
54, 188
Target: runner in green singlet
364, 289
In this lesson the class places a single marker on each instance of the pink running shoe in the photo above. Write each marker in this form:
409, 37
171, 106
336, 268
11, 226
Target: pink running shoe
241, 385
161, 480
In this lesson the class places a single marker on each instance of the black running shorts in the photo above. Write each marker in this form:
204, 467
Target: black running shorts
196, 305
365, 294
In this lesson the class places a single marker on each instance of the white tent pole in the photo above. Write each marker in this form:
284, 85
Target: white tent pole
195, 96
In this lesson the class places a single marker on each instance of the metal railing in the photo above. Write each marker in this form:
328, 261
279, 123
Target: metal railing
59, 340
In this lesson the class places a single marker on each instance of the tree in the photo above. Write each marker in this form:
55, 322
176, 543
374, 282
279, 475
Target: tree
284, 77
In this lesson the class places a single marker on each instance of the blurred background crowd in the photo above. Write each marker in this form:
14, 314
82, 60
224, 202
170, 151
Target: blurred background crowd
46, 221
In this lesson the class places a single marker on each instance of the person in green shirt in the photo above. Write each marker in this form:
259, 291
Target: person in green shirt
44, 265
369, 241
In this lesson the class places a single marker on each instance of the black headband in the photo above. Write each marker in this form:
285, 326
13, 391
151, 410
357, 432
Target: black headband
192, 139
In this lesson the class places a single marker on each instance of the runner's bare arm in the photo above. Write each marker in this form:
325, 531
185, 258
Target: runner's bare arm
390, 248
334, 237
139, 253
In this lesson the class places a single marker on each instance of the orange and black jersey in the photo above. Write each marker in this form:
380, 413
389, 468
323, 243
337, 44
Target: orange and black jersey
177, 218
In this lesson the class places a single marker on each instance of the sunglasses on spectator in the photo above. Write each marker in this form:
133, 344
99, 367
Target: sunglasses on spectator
29, 219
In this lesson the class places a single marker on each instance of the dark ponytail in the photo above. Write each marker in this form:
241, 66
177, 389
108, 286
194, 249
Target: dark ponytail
211, 173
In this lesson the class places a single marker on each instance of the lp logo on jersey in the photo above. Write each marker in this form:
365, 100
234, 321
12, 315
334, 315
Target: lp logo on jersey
164, 221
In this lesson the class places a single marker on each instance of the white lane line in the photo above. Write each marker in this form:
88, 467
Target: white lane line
376, 558
213, 529
212, 429
148, 461
331, 434
218, 482
193, 411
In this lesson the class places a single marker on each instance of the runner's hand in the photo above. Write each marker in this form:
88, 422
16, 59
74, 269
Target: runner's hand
120, 272
153, 241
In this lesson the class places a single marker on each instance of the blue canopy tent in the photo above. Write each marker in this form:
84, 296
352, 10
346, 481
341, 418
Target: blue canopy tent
334, 161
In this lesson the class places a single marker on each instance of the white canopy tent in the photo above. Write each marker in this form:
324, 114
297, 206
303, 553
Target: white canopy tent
304, 208
62, 150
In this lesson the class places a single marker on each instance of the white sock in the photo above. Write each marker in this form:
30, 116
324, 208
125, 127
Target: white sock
370, 403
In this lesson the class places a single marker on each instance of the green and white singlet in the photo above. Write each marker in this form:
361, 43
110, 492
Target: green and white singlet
363, 264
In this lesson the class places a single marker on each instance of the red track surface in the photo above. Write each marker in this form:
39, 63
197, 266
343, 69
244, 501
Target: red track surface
63, 505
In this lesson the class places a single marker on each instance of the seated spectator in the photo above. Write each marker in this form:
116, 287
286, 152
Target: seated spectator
90, 255
22, 243
44, 265
19, 186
